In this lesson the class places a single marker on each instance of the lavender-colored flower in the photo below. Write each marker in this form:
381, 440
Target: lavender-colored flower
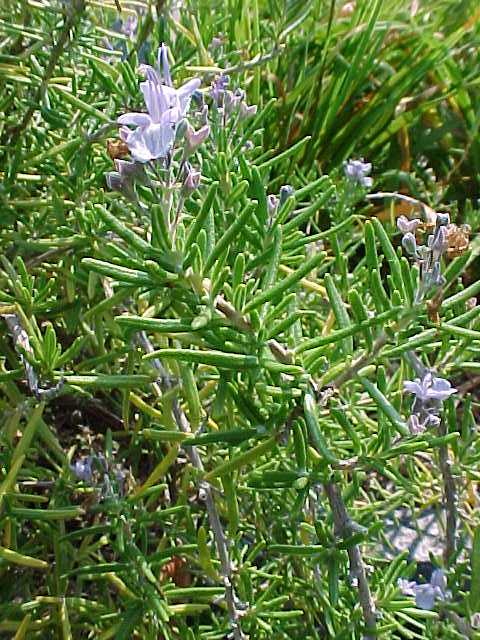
163, 66
82, 469
195, 138
217, 41
155, 131
130, 25
232, 100
356, 171
426, 594
407, 226
219, 86
429, 388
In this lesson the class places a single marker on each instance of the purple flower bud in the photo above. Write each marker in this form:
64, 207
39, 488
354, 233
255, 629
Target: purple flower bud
285, 192
123, 179
272, 204
129, 169
219, 86
129, 26
409, 243
438, 243
204, 115
407, 226
231, 101
192, 179
217, 41
443, 219
114, 181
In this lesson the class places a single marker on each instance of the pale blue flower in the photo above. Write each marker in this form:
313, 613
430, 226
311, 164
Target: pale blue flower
154, 134
426, 594
82, 469
356, 171
429, 388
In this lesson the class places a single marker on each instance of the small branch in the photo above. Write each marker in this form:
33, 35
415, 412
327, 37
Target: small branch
368, 356
206, 491
360, 362
393, 194
22, 345
450, 494
343, 529
70, 22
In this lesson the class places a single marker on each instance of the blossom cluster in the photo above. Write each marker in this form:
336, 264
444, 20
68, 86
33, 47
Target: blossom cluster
428, 256
426, 594
430, 392
94, 470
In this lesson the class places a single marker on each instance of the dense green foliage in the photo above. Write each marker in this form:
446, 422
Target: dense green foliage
204, 423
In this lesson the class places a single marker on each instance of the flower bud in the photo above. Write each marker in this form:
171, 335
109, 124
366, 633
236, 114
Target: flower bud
410, 244
192, 179
182, 127
272, 204
285, 192
438, 243
114, 181
442, 219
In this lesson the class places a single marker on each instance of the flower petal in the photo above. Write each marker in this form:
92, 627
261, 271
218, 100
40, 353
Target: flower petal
153, 99
425, 596
185, 93
407, 587
163, 66
125, 134
150, 73
413, 387
136, 119
439, 580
